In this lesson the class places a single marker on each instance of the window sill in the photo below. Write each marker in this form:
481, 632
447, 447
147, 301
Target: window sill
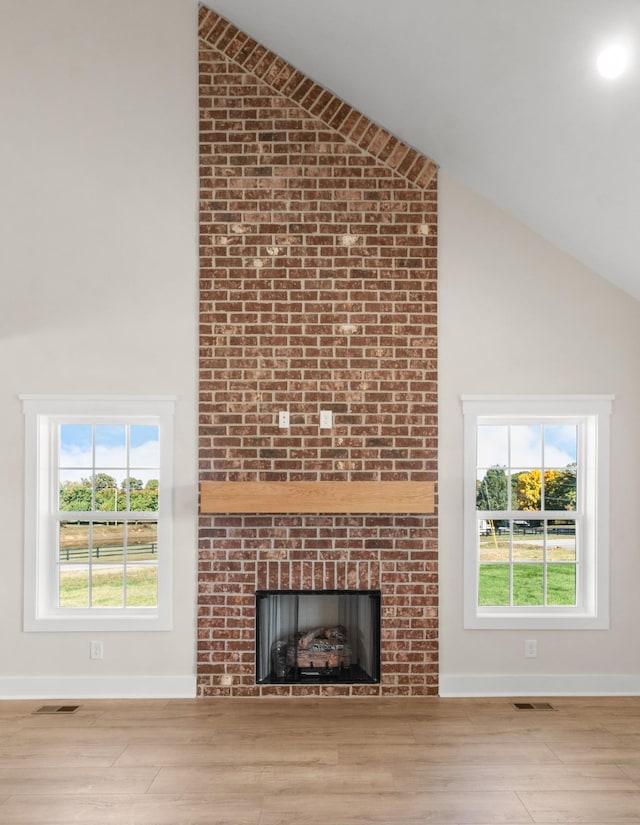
532, 621
88, 622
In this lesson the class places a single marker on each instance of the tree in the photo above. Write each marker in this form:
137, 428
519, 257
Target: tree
143, 501
528, 490
560, 491
101, 481
110, 498
74, 496
147, 499
77, 496
491, 492
132, 483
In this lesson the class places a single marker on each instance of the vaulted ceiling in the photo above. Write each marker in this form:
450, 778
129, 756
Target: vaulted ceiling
503, 94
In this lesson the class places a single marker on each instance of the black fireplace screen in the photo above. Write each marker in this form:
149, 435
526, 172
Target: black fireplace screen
317, 636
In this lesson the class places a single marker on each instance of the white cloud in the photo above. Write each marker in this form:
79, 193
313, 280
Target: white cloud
525, 447
110, 459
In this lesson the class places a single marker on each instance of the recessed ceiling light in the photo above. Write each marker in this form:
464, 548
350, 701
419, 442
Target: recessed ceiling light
613, 60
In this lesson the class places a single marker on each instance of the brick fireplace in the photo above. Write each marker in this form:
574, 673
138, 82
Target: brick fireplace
318, 637
318, 234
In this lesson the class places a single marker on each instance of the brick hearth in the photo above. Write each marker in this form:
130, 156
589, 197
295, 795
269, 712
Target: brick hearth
318, 291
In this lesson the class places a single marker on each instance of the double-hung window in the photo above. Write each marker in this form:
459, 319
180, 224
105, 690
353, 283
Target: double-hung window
98, 525
536, 511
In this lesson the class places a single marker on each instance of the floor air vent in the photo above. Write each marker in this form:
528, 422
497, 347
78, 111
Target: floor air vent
533, 706
51, 709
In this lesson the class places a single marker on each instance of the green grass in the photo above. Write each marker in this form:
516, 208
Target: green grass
107, 587
528, 584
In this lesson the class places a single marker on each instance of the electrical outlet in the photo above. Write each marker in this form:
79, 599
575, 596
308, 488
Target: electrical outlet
95, 650
326, 419
283, 419
531, 649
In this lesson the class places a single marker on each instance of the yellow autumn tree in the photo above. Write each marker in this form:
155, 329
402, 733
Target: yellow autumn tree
528, 492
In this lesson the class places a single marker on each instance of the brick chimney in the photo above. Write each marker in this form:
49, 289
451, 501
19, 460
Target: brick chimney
318, 268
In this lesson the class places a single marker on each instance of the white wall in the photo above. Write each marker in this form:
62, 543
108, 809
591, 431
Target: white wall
519, 316
98, 278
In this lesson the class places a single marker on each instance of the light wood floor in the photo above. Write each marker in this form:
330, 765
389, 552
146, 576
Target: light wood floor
329, 761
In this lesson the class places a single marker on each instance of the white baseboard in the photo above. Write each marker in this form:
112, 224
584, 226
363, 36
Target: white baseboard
451, 686
109, 687
588, 684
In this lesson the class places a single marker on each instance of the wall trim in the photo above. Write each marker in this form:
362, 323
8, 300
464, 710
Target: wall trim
99, 687
574, 684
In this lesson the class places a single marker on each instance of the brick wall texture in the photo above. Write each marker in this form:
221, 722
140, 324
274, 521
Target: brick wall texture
318, 291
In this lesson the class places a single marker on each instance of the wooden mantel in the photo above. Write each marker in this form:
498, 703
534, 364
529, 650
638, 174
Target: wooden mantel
317, 497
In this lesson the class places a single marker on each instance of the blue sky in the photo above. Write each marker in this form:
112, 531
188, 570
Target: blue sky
76, 450
524, 448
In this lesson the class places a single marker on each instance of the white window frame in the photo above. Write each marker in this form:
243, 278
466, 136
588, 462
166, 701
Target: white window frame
43, 414
592, 414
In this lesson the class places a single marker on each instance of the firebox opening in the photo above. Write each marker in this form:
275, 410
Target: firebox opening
317, 636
